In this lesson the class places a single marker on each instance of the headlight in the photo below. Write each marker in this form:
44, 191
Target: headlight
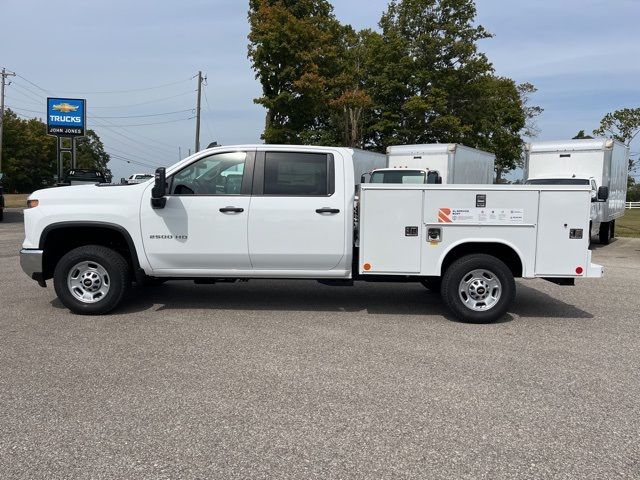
32, 203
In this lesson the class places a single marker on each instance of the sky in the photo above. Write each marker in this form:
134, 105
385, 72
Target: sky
135, 62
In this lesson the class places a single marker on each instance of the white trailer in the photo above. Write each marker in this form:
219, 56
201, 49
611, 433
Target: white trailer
456, 164
601, 164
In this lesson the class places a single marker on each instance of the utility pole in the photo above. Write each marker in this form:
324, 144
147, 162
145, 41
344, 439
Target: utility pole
201, 79
4, 75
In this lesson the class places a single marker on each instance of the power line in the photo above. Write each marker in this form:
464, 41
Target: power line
149, 115
30, 93
132, 116
145, 103
109, 91
156, 123
137, 142
209, 128
130, 160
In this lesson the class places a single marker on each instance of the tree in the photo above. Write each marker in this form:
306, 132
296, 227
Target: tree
295, 46
622, 125
582, 136
90, 153
29, 154
531, 112
421, 79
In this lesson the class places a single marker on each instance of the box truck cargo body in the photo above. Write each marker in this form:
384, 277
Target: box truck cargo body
594, 162
456, 164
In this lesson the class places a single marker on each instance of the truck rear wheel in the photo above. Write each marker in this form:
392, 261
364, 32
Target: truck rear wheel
478, 288
605, 233
91, 280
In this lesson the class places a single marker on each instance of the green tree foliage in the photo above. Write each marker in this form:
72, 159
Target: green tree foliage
295, 47
29, 154
421, 79
582, 136
622, 125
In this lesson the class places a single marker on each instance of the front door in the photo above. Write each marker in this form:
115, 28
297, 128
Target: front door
297, 216
203, 227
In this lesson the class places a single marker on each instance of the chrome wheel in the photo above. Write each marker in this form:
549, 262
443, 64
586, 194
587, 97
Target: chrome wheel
480, 290
88, 282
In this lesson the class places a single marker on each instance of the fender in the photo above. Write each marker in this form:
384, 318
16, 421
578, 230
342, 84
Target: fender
482, 240
137, 270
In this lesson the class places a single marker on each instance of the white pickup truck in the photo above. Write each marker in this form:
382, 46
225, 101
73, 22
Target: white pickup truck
264, 211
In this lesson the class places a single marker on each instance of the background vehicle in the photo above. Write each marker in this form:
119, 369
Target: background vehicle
139, 177
273, 211
405, 175
84, 177
594, 162
456, 164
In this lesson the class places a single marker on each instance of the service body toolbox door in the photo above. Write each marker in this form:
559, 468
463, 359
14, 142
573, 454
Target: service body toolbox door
563, 232
390, 230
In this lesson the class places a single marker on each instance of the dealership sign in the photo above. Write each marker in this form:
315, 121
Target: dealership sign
66, 117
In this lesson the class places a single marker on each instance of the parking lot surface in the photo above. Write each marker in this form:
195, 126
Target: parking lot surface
284, 379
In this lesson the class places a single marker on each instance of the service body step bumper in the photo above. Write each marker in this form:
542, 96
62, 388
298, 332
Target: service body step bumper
31, 263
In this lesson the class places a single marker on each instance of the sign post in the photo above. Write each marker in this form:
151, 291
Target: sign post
66, 120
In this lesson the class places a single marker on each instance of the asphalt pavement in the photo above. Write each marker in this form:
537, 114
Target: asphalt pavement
293, 379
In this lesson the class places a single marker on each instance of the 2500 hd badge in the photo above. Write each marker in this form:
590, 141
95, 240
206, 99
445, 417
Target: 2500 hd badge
169, 237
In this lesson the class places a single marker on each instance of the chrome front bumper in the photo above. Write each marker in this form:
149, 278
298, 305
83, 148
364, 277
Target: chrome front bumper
31, 263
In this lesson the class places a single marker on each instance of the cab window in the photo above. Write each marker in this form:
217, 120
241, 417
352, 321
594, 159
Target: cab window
298, 174
219, 174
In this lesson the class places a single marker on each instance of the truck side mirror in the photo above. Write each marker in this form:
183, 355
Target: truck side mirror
158, 192
603, 194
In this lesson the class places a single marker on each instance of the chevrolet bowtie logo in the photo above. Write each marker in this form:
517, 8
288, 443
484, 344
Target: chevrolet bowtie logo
65, 107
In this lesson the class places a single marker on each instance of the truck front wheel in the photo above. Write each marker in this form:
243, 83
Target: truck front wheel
91, 280
478, 288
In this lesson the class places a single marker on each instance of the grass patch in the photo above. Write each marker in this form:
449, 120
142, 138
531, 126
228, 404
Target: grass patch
629, 225
15, 200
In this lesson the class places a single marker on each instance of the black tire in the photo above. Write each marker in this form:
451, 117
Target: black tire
118, 275
1, 214
613, 229
605, 233
432, 283
460, 269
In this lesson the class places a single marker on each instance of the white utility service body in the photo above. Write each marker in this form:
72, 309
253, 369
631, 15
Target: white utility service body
456, 164
594, 162
272, 211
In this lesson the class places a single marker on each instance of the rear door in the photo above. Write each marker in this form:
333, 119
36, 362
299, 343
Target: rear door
297, 217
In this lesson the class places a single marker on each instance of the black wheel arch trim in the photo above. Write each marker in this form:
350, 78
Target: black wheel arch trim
138, 271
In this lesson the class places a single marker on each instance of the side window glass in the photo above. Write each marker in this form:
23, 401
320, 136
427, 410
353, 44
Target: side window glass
298, 174
219, 174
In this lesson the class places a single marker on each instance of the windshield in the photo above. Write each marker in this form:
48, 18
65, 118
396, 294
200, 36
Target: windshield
398, 176
558, 181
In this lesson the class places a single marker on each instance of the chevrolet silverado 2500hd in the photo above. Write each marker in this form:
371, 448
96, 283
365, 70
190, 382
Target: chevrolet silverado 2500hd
271, 211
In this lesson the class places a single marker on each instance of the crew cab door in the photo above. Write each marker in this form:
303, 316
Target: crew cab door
297, 215
203, 227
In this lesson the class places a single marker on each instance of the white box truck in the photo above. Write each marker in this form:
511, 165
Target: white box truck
436, 163
602, 164
274, 211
